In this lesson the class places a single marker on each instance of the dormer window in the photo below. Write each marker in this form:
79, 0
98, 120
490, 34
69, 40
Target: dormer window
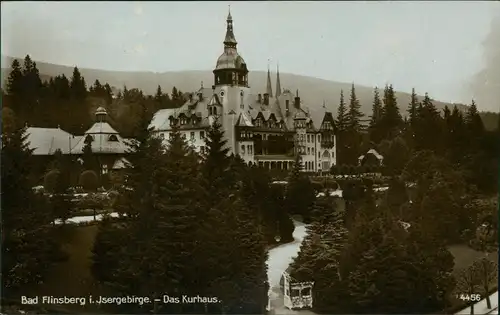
113, 138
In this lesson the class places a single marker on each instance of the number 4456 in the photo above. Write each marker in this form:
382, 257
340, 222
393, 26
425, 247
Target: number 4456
469, 297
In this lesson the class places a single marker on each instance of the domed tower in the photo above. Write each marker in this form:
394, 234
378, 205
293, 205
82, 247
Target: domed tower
231, 69
231, 85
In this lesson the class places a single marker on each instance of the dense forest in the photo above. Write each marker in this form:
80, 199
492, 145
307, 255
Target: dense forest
201, 224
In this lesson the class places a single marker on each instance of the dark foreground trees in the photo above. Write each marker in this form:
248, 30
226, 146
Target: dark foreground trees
178, 239
29, 248
381, 266
300, 192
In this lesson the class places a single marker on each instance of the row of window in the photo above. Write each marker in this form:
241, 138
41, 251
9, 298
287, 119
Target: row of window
192, 135
112, 138
309, 166
268, 124
310, 138
249, 149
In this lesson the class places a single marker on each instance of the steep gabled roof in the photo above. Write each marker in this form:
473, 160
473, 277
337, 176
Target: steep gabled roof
244, 120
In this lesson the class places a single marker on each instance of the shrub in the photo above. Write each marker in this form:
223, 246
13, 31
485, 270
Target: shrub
88, 180
50, 180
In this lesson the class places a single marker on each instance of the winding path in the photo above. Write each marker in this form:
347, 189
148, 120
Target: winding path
279, 259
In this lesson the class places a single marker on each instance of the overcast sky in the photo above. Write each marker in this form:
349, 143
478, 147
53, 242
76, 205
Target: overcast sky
432, 46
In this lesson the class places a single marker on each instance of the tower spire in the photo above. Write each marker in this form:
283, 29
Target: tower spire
230, 40
269, 89
278, 83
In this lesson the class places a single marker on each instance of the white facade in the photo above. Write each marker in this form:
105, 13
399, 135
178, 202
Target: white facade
252, 124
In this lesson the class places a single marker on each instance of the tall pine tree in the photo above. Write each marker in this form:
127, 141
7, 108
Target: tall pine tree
376, 117
392, 121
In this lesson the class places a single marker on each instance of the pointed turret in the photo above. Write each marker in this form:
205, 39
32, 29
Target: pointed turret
230, 40
278, 82
269, 89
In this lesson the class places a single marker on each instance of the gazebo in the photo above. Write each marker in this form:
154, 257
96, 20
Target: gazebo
296, 294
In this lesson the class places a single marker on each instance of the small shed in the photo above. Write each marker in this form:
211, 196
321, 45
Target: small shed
371, 158
296, 294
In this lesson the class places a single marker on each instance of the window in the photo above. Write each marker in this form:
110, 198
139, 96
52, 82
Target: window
242, 149
192, 135
215, 110
162, 136
308, 138
287, 104
170, 136
319, 138
319, 155
319, 165
202, 135
249, 149
312, 151
113, 138
308, 150
183, 136
202, 149
306, 292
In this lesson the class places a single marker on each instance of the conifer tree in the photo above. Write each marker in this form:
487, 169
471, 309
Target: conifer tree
78, 86
430, 126
300, 193
354, 113
392, 120
377, 114
238, 231
216, 163
456, 136
320, 257
28, 246
413, 108
474, 124
342, 114
351, 143
15, 82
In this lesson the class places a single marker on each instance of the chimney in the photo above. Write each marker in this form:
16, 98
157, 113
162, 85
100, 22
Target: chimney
266, 98
297, 100
260, 98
